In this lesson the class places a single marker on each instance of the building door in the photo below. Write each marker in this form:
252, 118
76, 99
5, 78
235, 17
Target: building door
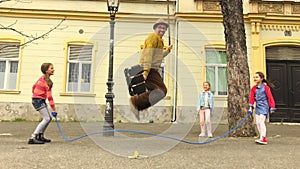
283, 69
285, 75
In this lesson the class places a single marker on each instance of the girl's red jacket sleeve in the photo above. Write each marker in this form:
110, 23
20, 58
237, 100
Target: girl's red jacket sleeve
252, 96
270, 97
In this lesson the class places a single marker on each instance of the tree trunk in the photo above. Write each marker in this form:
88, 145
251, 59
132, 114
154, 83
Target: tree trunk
237, 65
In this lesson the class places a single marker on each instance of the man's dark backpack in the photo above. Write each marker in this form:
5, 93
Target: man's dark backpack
135, 80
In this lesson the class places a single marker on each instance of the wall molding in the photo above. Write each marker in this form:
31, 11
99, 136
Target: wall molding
274, 27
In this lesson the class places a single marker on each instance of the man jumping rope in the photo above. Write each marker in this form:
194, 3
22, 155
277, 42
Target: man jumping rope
151, 59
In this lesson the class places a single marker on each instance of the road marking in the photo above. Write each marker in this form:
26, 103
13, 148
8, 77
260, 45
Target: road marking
5, 134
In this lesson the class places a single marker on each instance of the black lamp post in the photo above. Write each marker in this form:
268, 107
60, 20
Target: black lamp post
112, 6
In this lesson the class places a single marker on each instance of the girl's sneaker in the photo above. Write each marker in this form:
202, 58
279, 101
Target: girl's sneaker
41, 137
202, 134
209, 135
263, 141
34, 140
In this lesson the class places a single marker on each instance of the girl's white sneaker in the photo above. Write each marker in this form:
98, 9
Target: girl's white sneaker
202, 135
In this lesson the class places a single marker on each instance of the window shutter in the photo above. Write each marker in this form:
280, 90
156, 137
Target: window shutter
80, 53
9, 50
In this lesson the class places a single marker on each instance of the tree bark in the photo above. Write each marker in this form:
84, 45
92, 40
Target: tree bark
238, 69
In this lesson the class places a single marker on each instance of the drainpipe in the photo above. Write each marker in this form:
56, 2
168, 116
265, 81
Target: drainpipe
174, 115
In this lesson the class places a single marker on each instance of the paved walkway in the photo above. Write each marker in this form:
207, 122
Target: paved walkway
283, 150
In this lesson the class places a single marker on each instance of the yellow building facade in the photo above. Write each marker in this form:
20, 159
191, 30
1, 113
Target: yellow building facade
75, 38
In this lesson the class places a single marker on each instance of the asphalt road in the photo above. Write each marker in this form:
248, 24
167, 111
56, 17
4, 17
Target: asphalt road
283, 150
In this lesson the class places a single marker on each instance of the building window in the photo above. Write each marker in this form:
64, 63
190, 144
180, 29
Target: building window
79, 68
9, 62
216, 71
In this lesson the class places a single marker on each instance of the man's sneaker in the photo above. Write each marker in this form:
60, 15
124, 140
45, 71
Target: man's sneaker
202, 134
35, 141
134, 110
209, 135
263, 141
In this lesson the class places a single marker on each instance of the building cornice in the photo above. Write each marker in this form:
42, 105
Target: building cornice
145, 1
78, 15
263, 18
53, 14
275, 22
196, 17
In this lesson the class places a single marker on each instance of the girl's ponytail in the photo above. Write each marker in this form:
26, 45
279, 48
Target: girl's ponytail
261, 75
44, 68
48, 81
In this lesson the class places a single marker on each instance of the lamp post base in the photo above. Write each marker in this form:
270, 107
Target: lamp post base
108, 125
108, 129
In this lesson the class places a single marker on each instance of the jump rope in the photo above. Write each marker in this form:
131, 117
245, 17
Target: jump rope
152, 134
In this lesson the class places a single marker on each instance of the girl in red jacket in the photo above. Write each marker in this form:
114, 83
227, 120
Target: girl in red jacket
41, 91
261, 94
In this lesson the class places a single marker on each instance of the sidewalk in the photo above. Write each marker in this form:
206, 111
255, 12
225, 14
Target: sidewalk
281, 152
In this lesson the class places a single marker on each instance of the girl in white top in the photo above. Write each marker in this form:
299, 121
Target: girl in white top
205, 108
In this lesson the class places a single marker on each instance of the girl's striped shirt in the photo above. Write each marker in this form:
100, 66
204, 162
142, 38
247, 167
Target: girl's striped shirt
41, 90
